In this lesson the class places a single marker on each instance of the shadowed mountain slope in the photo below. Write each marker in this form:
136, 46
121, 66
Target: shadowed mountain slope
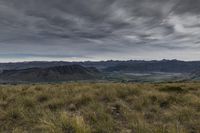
58, 73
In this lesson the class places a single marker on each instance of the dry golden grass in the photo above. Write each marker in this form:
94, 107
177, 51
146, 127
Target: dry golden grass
100, 108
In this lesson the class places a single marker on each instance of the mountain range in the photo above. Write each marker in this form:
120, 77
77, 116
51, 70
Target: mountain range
129, 70
110, 66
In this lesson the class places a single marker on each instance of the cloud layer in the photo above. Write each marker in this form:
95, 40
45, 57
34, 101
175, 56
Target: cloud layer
99, 29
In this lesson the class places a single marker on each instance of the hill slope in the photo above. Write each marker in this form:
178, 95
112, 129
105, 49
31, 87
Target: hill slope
58, 73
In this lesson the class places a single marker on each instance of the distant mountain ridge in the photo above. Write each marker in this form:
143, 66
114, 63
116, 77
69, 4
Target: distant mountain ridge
50, 74
111, 66
44, 64
173, 66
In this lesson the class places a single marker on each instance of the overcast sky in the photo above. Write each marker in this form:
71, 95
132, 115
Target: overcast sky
75, 30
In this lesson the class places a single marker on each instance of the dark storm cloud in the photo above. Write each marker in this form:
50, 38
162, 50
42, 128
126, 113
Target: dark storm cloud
99, 28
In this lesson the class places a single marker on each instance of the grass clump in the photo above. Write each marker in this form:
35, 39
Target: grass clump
64, 122
42, 98
74, 124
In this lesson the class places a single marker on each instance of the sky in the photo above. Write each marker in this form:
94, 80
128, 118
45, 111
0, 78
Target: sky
80, 30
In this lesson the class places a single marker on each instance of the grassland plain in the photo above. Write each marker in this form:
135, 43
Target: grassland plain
100, 108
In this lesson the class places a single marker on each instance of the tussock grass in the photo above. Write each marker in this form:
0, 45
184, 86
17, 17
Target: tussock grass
100, 108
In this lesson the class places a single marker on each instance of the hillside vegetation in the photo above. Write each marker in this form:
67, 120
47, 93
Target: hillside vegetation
100, 108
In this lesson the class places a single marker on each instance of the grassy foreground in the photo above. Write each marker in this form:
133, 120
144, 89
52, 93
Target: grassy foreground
100, 108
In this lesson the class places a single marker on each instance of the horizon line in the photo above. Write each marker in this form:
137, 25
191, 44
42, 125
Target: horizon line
98, 60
